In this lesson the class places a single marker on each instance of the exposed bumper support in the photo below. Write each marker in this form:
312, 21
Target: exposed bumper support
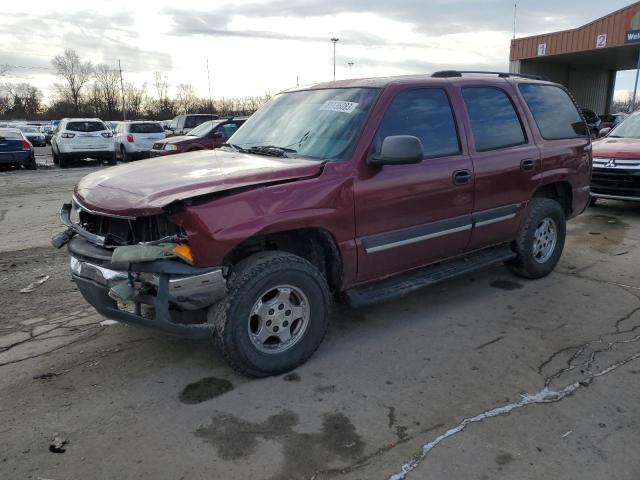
161, 285
616, 197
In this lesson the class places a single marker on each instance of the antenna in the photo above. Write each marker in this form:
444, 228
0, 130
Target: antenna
209, 82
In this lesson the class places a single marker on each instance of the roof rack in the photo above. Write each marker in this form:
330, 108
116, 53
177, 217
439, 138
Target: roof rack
459, 73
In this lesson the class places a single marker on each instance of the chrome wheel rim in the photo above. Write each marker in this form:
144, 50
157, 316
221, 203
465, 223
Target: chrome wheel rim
278, 319
545, 238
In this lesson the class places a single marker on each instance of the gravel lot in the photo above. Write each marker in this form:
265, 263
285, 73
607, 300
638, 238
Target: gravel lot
389, 389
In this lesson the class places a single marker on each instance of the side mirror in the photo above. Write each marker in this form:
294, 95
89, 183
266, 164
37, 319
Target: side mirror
603, 132
398, 150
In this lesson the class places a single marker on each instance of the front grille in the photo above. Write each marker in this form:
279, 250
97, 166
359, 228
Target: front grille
120, 231
616, 182
158, 146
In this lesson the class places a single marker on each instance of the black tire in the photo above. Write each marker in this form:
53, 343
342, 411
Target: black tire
56, 158
526, 264
112, 159
62, 161
31, 164
231, 316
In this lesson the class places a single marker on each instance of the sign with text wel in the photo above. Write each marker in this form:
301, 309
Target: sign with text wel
632, 36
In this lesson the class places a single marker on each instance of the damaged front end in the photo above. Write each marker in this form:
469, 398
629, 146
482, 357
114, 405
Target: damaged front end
139, 271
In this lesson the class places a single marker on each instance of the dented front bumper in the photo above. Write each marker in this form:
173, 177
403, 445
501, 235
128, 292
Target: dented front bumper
145, 293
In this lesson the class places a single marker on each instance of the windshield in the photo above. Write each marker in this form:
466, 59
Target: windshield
203, 129
630, 128
320, 124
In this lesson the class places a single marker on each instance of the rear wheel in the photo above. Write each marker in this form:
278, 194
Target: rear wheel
56, 158
275, 315
541, 239
31, 163
62, 161
123, 154
112, 159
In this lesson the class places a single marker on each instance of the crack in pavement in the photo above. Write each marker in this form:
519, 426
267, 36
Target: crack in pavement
546, 395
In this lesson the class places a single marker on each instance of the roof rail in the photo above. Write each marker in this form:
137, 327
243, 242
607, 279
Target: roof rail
459, 73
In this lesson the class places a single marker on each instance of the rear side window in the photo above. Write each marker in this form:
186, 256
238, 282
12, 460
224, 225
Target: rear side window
194, 121
145, 128
494, 121
86, 126
554, 112
424, 113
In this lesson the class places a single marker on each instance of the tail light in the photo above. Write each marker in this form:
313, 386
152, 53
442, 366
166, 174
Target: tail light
26, 145
67, 135
130, 138
107, 134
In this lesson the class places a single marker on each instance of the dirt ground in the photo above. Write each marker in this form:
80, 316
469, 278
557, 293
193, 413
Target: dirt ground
484, 377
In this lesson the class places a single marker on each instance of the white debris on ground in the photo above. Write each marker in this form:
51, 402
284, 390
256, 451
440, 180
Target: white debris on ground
33, 285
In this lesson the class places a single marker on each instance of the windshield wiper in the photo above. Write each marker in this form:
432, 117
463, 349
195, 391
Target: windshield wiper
270, 150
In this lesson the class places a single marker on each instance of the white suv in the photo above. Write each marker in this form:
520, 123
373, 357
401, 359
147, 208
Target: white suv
78, 138
135, 139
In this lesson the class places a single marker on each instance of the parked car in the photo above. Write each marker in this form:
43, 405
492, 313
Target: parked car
33, 134
78, 138
15, 149
361, 190
207, 135
616, 162
610, 121
593, 121
182, 124
133, 140
113, 126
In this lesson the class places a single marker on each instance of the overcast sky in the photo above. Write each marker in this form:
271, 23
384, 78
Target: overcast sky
254, 47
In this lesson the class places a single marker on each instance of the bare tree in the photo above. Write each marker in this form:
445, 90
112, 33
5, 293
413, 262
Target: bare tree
4, 68
107, 81
135, 99
22, 100
164, 105
75, 73
186, 98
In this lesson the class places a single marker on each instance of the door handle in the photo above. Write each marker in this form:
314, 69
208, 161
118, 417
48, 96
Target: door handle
527, 164
460, 177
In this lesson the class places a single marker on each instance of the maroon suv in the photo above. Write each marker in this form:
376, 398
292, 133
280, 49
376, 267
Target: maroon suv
207, 135
357, 191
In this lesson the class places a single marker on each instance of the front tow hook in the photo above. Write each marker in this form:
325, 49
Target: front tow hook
61, 239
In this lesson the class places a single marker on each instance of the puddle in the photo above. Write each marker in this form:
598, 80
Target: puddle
602, 233
204, 390
506, 285
304, 453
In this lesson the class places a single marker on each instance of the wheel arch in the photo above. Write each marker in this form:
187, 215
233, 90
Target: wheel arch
560, 190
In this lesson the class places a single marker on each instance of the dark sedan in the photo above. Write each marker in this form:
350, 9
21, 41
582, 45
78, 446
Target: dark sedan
33, 134
15, 149
206, 136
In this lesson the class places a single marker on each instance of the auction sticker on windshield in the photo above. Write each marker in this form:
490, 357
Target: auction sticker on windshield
338, 106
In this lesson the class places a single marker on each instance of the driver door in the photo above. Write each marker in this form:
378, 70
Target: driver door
408, 216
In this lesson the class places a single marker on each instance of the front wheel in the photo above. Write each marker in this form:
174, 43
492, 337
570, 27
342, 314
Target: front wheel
31, 163
275, 315
541, 239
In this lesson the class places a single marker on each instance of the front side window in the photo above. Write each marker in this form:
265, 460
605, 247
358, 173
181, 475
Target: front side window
203, 129
316, 124
554, 112
424, 113
494, 121
195, 120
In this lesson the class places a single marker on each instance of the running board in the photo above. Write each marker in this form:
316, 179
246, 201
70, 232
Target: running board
404, 284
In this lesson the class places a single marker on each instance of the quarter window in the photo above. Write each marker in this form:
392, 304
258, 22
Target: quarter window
554, 112
494, 121
424, 113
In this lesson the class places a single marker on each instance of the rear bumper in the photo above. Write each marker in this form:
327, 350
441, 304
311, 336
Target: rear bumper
119, 292
77, 155
15, 157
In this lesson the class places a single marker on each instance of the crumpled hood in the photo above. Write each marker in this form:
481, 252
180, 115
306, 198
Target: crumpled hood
611, 147
144, 187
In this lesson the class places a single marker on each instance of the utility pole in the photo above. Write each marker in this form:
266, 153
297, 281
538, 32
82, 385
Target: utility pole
209, 82
297, 82
124, 114
632, 107
350, 67
515, 10
334, 40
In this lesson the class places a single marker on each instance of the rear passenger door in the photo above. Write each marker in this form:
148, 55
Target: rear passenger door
412, 215
506, 163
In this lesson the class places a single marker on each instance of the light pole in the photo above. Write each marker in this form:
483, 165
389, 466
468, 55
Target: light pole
334, 40
350, 67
